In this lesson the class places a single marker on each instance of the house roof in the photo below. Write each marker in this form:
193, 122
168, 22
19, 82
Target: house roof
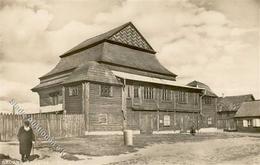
123, 48
233, 103
135, 77
208, 91
249, 109
125, 34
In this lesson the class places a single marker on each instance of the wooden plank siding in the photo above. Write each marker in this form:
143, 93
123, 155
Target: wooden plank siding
73, 103
60, 125
111, 107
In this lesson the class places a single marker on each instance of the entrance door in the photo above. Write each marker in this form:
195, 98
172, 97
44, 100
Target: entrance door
146, 124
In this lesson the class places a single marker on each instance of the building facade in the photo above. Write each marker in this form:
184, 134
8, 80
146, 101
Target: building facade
208, 104
117, 82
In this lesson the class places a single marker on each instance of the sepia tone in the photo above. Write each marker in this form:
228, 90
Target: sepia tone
173, 82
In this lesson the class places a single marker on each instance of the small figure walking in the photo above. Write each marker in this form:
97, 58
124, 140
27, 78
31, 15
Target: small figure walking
192, 130
25, 137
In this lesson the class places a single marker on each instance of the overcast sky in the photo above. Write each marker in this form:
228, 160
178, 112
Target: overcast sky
212, 41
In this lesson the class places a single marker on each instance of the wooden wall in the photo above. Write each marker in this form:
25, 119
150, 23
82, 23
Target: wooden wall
100, 107
209, 110
240, 128
73, 104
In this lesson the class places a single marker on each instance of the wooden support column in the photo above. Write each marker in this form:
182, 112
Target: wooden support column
124, 105
85, 104
63, 100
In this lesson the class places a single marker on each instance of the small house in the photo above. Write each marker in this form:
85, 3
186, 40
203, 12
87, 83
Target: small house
248, 117
227, 108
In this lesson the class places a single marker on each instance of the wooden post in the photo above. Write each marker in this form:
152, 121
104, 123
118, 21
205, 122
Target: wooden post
124, 105
86, 106
63, 99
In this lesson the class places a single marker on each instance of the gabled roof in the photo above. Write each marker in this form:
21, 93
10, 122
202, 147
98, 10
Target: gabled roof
233, 103
208, 91
249, 109
126, 35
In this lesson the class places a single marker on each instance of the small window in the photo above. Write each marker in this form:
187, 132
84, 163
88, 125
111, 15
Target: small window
209, 120
55, 98
166, 94
182, 97
166, 120
128, 91
136, 91
106, 91
256, 122
247, 123
196, 98
73, 91
148, 93
207, 100
102, 119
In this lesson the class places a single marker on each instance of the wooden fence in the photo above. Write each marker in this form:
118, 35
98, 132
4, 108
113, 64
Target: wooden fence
56, 125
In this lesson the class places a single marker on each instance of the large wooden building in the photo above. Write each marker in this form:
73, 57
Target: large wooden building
117, 82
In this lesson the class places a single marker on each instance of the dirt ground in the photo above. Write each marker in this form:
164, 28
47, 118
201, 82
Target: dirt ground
206, 148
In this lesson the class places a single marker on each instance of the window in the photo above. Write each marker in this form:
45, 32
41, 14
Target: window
73, 91
196, 98
128, 91
182, 97
247, 123
209, 120
102, 119
55, 98
148, 93
207, 100
256, 122
106, 91
136, 91
166, 120
166, 94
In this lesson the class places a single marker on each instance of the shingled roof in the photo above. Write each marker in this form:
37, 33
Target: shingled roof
249, 109
92, 71
126, 35
233, 103
130, 50
208, 91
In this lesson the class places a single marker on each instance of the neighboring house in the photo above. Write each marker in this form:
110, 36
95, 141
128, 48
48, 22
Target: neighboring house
209, 105
248, 117
117, 82
227, 108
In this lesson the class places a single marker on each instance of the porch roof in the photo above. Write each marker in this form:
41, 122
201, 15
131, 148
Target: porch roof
136, 77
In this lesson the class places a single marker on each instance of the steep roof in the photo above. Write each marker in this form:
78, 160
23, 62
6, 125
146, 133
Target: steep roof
125, 34
233, 103
208, 91
249, 109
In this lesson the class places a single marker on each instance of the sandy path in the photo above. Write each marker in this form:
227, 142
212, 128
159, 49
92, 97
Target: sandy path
243, 150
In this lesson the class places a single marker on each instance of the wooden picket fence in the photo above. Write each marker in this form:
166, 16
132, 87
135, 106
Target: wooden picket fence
56, 125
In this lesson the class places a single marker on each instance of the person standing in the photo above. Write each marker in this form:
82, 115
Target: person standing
25, 137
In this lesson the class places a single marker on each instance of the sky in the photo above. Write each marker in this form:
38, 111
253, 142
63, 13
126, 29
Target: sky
212, 41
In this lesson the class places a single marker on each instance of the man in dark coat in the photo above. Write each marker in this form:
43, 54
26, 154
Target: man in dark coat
25, 137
